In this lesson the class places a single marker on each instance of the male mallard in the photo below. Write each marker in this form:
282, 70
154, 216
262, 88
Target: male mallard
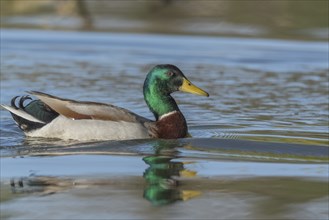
54, 117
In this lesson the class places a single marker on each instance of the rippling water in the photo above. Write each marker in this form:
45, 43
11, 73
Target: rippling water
266, 119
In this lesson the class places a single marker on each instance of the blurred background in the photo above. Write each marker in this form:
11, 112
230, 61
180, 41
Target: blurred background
302, 19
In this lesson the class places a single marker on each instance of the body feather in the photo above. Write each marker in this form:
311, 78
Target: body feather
53, 117
85, 129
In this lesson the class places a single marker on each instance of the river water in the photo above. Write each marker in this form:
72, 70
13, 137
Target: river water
258, 145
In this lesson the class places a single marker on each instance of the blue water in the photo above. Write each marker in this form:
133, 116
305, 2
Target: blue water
259, 143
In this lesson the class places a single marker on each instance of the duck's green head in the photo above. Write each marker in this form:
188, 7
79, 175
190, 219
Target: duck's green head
160, 82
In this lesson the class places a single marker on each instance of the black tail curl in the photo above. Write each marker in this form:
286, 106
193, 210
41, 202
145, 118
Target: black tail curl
35, 108
20, 103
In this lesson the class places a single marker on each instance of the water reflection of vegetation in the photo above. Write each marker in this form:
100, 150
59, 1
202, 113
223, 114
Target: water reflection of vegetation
162, 175
279, 194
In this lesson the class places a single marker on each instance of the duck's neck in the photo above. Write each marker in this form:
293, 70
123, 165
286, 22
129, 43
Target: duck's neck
159, 103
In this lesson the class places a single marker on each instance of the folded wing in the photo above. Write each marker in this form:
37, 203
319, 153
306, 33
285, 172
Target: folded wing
88, 110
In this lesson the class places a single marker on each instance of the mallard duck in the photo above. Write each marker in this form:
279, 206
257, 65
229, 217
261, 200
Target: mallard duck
53, 117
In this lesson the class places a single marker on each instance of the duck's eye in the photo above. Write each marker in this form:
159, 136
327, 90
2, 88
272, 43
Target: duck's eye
170, 74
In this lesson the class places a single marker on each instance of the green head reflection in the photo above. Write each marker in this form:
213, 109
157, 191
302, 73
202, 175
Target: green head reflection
163, 175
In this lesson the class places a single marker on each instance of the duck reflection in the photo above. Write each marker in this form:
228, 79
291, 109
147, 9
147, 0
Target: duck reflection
163, 175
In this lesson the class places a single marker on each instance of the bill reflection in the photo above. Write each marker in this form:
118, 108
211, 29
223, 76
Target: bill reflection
165, 174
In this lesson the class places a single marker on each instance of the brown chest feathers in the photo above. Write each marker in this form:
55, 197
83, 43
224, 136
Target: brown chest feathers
171, 126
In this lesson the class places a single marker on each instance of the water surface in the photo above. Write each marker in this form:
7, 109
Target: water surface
258, 145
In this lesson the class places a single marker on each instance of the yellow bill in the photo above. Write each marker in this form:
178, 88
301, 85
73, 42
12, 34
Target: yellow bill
190, 88
189, 194
187, 173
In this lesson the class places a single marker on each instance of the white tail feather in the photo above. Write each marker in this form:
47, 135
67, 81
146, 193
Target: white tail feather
21, 113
